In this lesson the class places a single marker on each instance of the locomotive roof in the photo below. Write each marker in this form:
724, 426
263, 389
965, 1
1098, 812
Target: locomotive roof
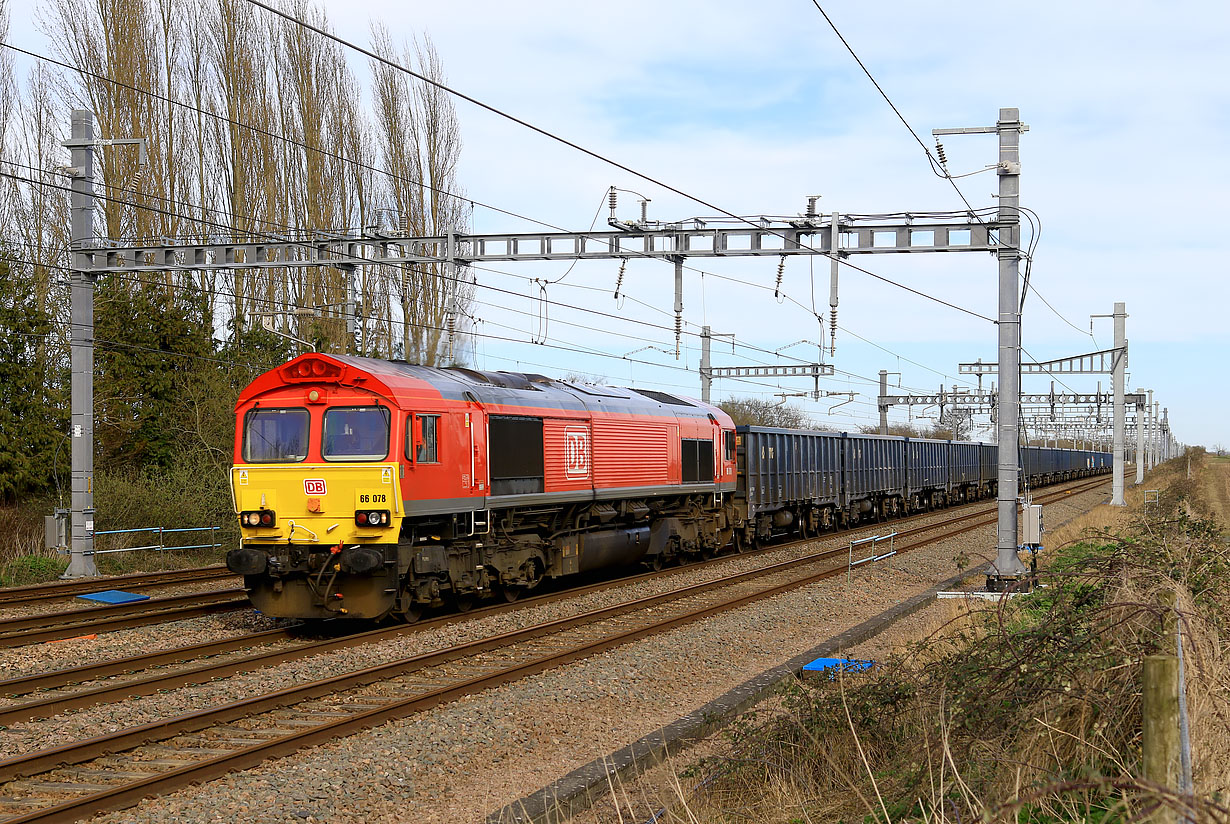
407, 382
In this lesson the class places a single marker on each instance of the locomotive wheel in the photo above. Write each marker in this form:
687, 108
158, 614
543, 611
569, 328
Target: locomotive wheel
511, 593
464, 603
412, 614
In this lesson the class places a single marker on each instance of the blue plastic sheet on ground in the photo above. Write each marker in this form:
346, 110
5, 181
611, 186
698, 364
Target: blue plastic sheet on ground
114, 596
832, 665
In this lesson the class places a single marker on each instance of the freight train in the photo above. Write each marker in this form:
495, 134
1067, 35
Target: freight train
368, 488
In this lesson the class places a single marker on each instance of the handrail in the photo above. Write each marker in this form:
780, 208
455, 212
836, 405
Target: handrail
161, 546
874, 540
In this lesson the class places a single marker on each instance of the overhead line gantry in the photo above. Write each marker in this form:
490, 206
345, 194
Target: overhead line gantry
834, 236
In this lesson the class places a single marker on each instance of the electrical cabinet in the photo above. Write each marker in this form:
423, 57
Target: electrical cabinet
1033, 527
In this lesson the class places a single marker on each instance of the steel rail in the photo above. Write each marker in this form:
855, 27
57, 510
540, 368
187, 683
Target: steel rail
54, 626
12, 596
125, 795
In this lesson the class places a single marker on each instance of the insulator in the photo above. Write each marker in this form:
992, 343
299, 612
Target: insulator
612, 196
619, 279
833, 332
939, 150
678, 332
781, 270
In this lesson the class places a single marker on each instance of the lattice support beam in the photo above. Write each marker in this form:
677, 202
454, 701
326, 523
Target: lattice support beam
1092, 363
855, 236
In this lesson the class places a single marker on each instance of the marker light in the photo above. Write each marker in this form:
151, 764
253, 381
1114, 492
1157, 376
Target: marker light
258, 518
376, 517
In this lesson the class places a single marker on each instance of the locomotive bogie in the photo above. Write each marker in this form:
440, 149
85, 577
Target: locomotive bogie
307, 582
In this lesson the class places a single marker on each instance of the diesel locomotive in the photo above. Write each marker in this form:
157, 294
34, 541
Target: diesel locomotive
369, 488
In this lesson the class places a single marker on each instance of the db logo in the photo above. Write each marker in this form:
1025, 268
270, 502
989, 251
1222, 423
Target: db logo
576, 452
314, 486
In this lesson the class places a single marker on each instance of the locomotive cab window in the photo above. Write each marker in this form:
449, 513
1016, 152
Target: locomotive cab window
356, 433
728, 439
275, 435
423, 438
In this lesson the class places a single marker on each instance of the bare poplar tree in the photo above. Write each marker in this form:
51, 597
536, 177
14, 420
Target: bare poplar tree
8, 98
420, 144
37, 215
200, 166
114, 45
246, 159
372, 299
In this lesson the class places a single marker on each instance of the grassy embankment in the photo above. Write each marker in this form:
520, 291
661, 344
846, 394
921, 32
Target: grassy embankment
1026, 713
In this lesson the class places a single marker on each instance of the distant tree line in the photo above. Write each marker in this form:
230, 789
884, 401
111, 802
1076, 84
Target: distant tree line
758, 412
955, 424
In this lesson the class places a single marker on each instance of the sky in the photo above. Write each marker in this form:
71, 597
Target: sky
755, 107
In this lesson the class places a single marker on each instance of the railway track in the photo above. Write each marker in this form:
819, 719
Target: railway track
38, 593
55, 626
175, 667
69, 782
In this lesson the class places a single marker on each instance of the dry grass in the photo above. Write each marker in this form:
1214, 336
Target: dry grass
1106, 519
1026, 713
1216, 484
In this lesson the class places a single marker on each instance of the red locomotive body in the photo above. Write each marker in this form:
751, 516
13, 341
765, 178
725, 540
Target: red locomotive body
368, 487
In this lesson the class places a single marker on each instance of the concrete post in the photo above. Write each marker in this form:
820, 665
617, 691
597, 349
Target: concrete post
1007, 565
82, 563
450, 268
1141, 418
834, 270
883, 407
706, 382
1150, 415
1120, 413
1155, 434
351, 307
1167, 440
